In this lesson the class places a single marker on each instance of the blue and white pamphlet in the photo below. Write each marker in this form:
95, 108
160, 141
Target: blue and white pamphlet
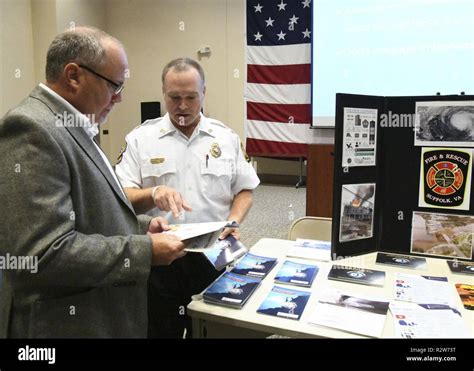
231, 290
225, 252
310, 249
285, 302
294, 273
254, 265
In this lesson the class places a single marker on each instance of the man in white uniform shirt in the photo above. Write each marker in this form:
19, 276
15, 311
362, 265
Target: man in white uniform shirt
184, 163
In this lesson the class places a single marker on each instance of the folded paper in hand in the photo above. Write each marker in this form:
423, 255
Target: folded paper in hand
199, 237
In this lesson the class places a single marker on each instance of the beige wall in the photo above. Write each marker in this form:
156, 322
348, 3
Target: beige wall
153, 32
166, 29
50, 17
73, 13
44, 29
16, 52
27, 27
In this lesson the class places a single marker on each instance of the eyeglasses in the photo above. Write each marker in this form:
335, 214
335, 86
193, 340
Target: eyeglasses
118, 87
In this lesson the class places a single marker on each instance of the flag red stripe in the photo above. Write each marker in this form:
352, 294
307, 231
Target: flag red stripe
258, 147
286, 113
285, 74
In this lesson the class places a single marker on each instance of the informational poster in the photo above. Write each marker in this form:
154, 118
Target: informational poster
360, 137
357, 211
445, 178
444, 123
444, 235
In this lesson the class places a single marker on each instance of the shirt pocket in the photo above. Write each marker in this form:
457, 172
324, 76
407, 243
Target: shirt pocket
157, 174
217, 178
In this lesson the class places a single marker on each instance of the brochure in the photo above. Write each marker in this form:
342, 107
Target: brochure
225, 252
402, 261
356, 314
310, 249
423, 289
466, 293
427, 321
285, 302
296, 273
200, 236
231, 290
369, 277
254, 265
457, 266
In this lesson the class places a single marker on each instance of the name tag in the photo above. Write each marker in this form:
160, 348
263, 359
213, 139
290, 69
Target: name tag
158, 160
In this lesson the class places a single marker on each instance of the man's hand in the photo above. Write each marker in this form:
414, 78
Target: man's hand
168, 199
233, 231
166, 248
158, 225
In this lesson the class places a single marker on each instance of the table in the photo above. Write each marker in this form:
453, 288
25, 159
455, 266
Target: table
213, 321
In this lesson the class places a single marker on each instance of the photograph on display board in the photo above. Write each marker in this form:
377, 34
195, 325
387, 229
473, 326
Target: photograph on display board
360, 137
442, 235
445, 178
357, 211
443, 123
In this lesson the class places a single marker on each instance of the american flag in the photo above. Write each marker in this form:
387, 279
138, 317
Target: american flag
278, 88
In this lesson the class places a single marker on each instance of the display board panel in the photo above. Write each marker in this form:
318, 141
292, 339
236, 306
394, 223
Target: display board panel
403, 184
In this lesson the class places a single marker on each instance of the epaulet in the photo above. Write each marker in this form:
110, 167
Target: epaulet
218, 123
152, 121
148, 122
136, 127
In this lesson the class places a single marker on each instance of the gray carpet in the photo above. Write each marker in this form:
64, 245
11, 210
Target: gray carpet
274, 208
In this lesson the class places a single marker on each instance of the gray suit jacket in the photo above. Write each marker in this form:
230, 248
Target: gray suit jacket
60, 203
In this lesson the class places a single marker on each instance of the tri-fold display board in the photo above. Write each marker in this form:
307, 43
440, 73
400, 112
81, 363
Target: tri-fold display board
402, 175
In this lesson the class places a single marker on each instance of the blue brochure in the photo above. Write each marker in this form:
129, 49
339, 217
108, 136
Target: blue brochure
285, 302
231, 290
254, 265
225, 252
297, 273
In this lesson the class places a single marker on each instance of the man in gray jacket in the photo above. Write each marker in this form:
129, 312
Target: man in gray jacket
64, 209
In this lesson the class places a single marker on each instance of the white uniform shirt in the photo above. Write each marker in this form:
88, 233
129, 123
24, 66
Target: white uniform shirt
208, 169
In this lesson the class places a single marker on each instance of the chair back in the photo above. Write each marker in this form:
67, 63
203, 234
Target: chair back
311, 227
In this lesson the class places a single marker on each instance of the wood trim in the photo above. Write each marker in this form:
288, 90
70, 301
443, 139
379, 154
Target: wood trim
319, 180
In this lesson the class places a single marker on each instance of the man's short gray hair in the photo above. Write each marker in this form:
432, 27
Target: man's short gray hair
180, 65
82, 45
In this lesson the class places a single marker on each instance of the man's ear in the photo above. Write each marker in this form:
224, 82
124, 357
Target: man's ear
72, 75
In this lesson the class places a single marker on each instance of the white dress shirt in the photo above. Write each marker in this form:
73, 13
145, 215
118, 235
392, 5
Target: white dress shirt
92, 129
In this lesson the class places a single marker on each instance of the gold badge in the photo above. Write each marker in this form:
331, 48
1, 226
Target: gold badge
120, 156
162, 131
158, 160
215, 150
246, 156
